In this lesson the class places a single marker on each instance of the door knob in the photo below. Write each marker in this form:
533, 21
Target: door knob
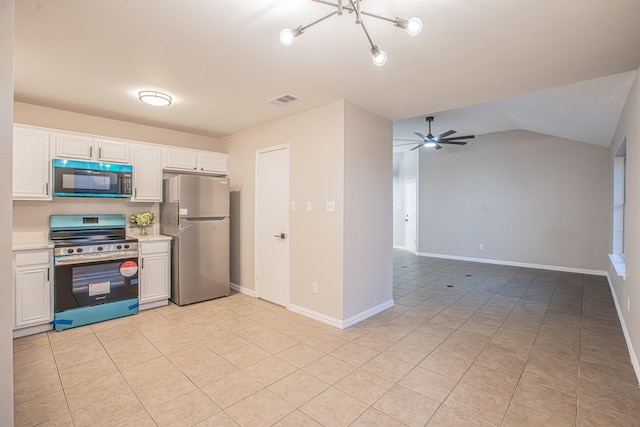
281, 236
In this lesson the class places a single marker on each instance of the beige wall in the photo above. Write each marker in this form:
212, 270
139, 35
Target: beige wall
529, 198
7, 8
36, 115
628, 288
315, 141
368, 204
330, 160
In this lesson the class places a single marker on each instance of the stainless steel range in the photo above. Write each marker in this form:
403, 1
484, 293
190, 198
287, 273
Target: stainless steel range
96, 269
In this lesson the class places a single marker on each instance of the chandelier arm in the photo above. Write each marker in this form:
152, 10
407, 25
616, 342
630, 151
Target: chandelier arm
366, 33
384, 18
304, 27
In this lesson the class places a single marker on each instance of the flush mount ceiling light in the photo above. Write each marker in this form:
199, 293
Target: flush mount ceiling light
155, 98
412, 26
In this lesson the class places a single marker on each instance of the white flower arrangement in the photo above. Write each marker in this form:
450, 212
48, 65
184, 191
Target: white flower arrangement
143, 220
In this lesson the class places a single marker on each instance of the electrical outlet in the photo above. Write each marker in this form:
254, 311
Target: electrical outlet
293, 206
314, 287
481, 246
331, 206
308, 206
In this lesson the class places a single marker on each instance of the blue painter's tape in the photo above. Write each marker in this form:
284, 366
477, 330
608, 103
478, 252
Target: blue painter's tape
134, 281
134, 306
95, 313
62, 322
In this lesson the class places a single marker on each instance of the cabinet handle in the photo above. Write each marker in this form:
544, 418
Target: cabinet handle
91, 151
135, 193
48, 269
46, 188
142, 263
100, 153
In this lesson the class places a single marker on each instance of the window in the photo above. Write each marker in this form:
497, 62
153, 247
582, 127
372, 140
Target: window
619, 209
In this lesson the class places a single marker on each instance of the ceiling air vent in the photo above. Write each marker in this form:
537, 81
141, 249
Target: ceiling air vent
283, 99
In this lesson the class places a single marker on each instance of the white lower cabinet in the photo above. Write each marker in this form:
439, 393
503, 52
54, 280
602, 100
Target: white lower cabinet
33, 288
155, 275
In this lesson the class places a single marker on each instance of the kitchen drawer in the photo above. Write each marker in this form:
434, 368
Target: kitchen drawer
148, 248
32, 258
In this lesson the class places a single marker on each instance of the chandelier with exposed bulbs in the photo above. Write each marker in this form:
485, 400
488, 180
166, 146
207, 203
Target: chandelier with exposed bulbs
412, 26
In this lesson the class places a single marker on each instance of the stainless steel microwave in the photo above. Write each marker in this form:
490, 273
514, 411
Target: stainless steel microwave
79, 178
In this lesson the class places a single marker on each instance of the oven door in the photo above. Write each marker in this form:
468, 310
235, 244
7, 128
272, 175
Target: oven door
87, 280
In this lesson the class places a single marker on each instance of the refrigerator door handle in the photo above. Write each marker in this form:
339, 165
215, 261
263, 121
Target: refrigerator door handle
204, 218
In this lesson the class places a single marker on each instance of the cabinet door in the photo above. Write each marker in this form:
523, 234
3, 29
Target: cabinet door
31, 166
213, 163
181, 160
113, 151
147, 174
33, 295
154, 279
73, 146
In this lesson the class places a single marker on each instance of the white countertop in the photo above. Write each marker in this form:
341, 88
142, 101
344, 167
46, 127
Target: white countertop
30, 240
151, 238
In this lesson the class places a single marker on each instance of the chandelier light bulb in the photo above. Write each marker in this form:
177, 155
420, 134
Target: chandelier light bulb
414, 26
286, 37
378, 56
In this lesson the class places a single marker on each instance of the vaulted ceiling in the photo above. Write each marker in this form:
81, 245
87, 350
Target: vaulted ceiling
222, 60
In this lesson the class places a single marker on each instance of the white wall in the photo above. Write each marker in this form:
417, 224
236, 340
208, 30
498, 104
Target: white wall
527, 197
7, 8
368, 232
629, 288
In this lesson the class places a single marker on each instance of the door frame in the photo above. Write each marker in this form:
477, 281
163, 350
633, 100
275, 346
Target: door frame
260, 151
406, 225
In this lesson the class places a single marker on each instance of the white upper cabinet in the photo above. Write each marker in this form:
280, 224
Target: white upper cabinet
147, 174
31, 164
73, 146
214, 163
181, 160
196, 161
85, 147
113, 151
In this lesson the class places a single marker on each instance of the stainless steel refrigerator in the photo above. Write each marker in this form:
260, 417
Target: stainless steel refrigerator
195, 212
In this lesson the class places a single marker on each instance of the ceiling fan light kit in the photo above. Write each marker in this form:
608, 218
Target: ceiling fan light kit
431, 141
412, 26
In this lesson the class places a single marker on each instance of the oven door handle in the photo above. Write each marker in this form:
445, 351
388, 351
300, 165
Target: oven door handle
83, 259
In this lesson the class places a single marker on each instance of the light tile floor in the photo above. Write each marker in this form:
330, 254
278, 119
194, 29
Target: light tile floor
466, 344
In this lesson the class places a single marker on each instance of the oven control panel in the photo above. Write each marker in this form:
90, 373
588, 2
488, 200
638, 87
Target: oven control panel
92, 249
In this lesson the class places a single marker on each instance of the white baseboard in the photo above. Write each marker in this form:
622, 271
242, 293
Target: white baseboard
30, 330
518, 264
627, 338
154, 304
243, 290
337, 323
399, 247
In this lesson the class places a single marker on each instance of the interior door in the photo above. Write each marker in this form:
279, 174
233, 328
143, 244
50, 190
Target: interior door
272, 224
411, 216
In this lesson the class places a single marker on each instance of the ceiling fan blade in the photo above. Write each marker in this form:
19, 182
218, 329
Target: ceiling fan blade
400, 139
408, 143
453, 142
444, 135
459, 137
416, 147
438, 146
421, 136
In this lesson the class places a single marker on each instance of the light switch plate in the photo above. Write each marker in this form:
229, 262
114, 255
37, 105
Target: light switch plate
293, 206
308, 206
